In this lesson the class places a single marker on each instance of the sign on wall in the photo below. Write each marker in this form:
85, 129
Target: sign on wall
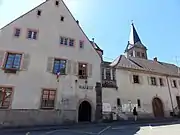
106, 107
86, 87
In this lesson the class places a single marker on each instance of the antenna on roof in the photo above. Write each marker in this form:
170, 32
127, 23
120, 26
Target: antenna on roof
93, 40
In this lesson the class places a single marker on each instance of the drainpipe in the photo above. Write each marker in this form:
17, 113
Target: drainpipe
170, 95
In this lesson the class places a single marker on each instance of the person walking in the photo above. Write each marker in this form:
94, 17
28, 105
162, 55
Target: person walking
135, 113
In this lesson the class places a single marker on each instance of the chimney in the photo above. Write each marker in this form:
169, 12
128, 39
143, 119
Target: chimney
77, 21
155, 58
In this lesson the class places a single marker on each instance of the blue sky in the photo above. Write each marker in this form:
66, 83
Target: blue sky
108, 21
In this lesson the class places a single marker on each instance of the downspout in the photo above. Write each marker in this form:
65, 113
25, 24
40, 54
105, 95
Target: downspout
170, 95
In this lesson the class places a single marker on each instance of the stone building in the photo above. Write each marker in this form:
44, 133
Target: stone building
49, 68
150, 85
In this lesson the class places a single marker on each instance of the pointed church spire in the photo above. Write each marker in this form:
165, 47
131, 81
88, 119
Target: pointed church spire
135, 48
134, 37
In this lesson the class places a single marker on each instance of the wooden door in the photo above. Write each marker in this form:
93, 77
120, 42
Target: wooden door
158, 107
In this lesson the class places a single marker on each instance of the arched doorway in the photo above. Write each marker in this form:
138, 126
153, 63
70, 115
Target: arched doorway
158, 107
84, 112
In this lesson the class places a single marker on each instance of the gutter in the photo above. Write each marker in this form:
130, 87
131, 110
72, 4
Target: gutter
170, 95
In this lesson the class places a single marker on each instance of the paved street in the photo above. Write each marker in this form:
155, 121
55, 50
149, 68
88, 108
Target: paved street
133, 129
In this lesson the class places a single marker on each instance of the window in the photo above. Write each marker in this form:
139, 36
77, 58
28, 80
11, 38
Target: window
32, 34
153, 81
82, 71
62, 18
66, 41
103, 69
135, 78
143, 55
59, 66
17, 32
108, 73
62, 40
139, 103
5, 97
178, 101
174, 84
118, 102
113, 73
71, 42
131, 54
161, 82
138, 54
48, 99
81, 44
39, 12
57, 3
13, 61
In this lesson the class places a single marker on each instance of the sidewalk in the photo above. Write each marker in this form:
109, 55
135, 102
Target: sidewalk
87, 125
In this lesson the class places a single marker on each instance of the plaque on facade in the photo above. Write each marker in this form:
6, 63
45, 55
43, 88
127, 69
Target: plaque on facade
86, 87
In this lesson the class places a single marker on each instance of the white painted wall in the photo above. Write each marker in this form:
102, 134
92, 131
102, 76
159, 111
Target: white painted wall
28, 84
143, 91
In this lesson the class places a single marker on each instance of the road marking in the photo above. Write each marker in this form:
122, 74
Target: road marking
66, 130
100, 132
28, 133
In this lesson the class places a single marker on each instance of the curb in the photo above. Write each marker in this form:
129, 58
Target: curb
72, 126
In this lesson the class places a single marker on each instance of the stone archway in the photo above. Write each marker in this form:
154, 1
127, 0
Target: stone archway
158, 109
84, 113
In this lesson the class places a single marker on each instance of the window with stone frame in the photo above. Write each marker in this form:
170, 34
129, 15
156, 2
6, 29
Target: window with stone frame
5, 97
32, 34
108, 73
161, 82
12, 62
143, 55
48, 99
59, 66
153, 80
138, 54
82, 70
136, 79
17, 32
174, 84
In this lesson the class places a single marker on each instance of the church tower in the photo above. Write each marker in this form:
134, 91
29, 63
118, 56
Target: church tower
135, 48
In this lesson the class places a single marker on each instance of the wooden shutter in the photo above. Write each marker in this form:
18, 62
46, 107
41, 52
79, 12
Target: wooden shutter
104, 70
2, 57
131, 78
89, 70
50, 63
68, 66
75, 68
140, 79
111, 71
25, 62
171, 81
149, 80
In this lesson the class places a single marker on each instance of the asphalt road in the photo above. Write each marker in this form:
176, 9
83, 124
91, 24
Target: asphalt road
170, 128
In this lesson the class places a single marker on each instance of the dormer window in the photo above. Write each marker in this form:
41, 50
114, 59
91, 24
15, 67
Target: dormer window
138, 54
143, 55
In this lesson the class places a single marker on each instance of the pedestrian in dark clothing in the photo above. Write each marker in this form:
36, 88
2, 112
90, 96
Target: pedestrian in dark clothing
135, 113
